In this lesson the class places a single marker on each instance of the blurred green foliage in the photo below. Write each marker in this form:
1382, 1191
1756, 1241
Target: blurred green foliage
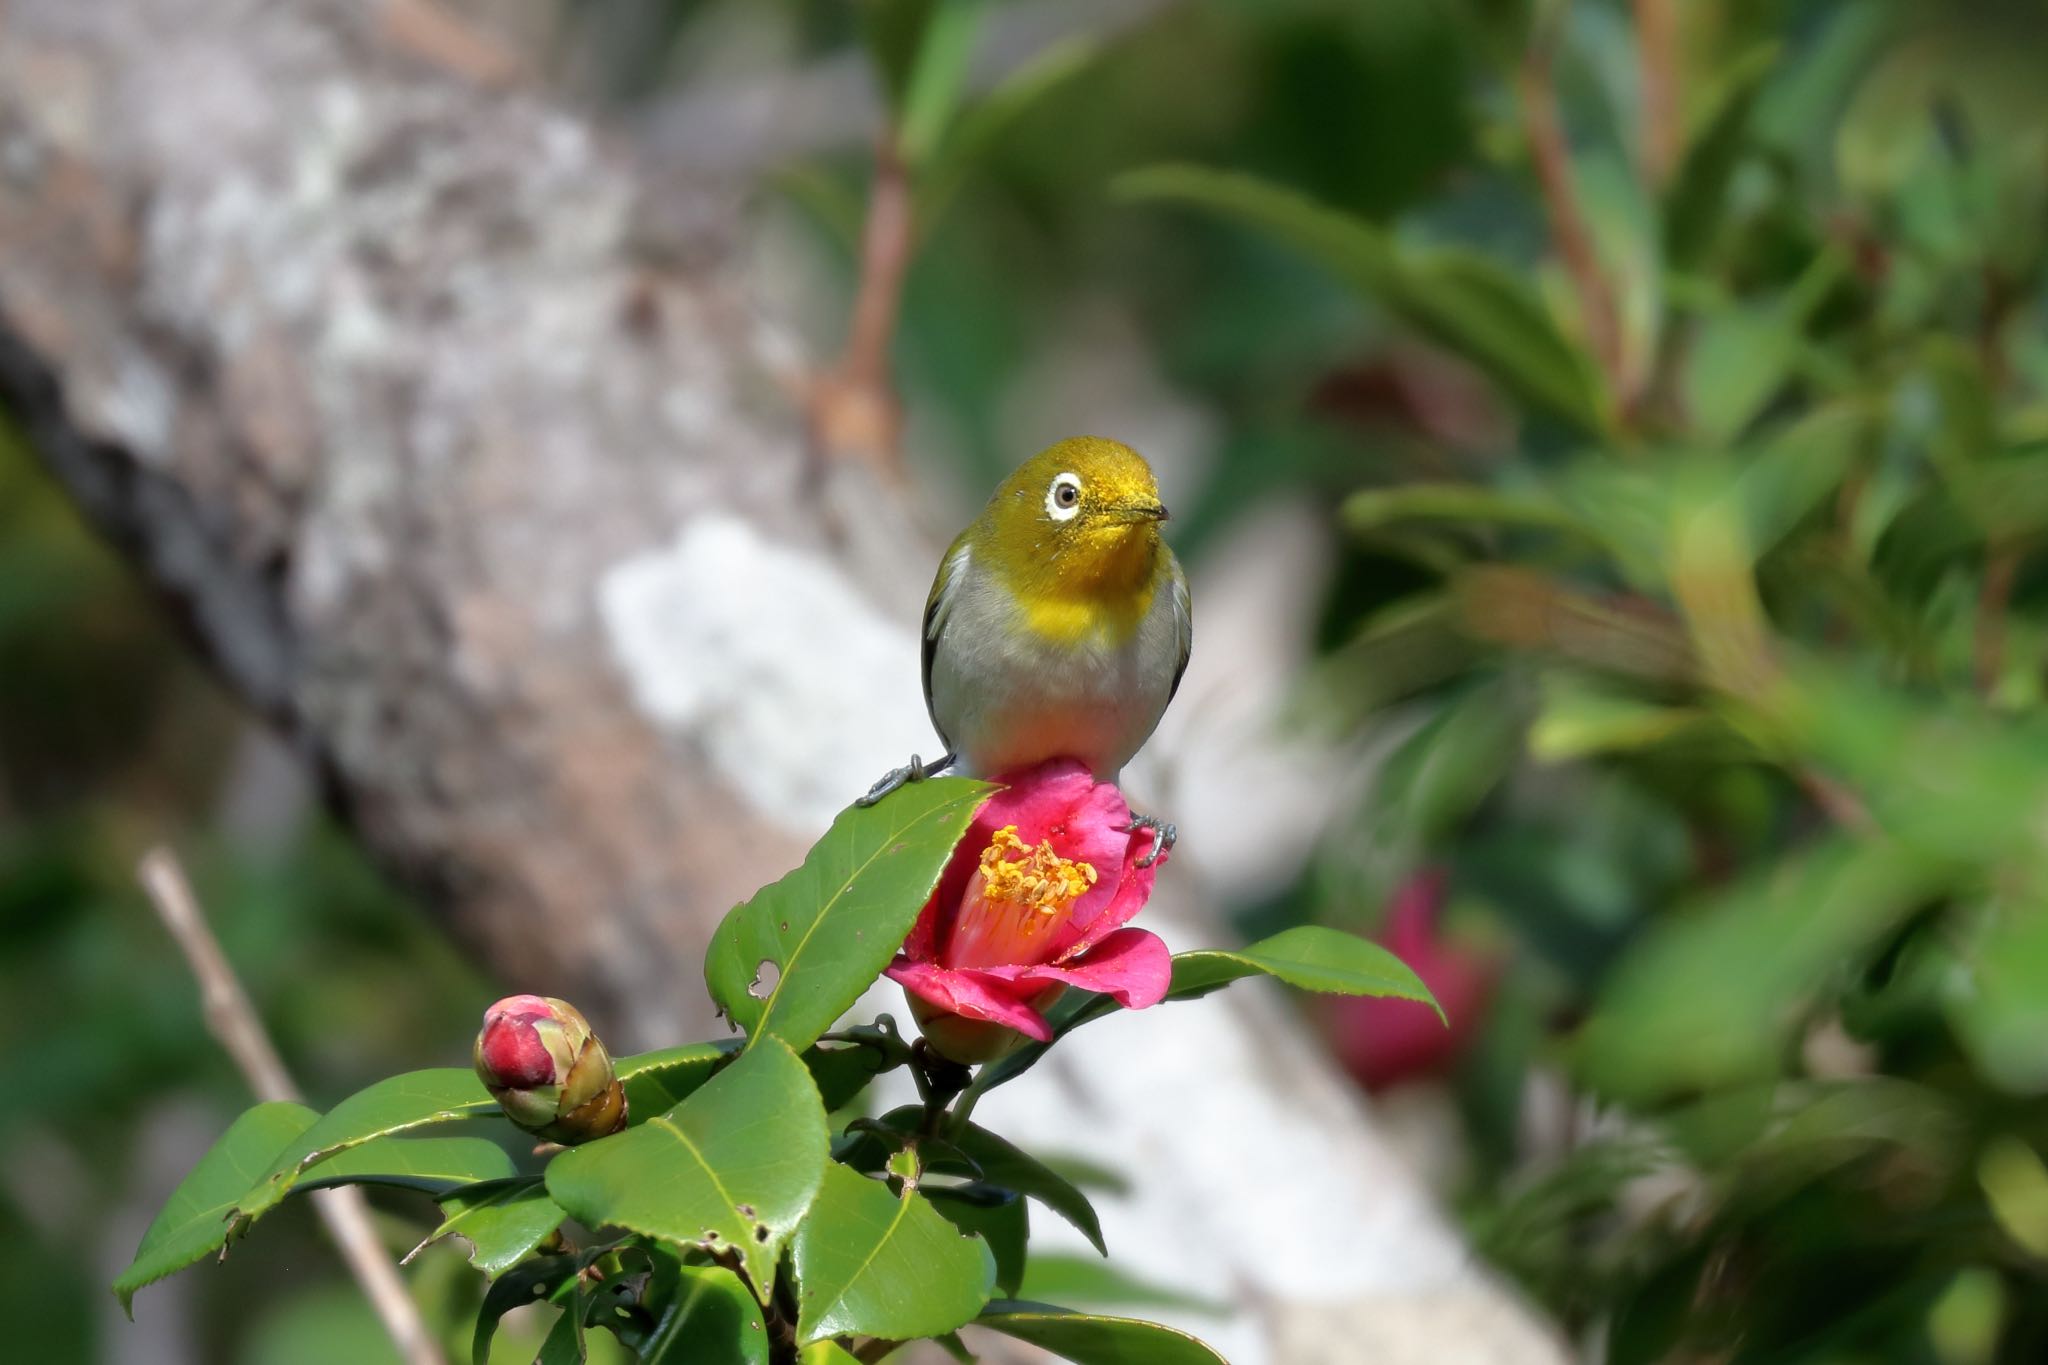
1711, 669
1709, 661
110, 739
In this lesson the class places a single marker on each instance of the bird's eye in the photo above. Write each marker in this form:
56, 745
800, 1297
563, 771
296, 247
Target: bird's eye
1063, 499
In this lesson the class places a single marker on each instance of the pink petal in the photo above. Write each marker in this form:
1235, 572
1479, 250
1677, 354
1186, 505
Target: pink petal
1131, 965
961, 993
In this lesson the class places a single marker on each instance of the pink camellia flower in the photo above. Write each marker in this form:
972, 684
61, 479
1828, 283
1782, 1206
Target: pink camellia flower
1384, 1042
1034, 900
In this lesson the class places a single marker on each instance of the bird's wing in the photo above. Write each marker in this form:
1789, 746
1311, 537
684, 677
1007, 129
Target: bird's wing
1183, 623
937, 606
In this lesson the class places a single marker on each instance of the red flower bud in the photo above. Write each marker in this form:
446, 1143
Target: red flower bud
548, 1071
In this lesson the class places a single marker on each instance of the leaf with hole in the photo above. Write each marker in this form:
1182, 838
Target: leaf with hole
1093, 1339
549, 1279
194, 1220
703, 1316
732, 1167
789, 962
871, 1263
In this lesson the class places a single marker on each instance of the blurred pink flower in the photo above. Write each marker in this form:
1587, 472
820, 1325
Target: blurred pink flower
1035, 899
1386, 1042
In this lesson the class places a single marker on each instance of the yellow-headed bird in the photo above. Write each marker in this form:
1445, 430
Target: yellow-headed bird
1059, 623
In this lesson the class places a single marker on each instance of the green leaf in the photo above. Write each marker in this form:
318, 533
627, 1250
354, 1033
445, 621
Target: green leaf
1091, 1339
992, 116
194, 1222
826, 1352
396, 1105
564, 1343
999, 1162
843, 1070
893, 31
1309, 957
790, 961
432, 1165
999, 1217
703, 1316
1462, 300
869, 1262
500, 1222
656, 1082
533, 1282
733, 1166
1456, 502
943, 54
1085, 1279
1696, 203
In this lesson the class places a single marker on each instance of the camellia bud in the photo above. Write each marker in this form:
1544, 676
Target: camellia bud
547, 1070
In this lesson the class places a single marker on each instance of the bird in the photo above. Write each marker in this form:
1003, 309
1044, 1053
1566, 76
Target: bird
1059, 624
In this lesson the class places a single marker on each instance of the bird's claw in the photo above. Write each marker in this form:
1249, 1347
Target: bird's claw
1163, 836
917, 770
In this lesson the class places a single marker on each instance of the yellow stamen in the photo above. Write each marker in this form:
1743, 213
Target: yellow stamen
1017, 894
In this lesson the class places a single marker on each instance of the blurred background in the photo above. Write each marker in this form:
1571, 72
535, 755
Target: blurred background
1640, 407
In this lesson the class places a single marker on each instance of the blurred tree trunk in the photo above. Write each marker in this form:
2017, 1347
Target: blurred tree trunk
455, 441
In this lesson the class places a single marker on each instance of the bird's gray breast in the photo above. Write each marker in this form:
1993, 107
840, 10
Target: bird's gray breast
1006, 697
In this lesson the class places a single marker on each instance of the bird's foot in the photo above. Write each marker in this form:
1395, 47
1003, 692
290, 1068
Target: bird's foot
917, 770
1163, 836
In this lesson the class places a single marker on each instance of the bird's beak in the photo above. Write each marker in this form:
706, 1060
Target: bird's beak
1144, 511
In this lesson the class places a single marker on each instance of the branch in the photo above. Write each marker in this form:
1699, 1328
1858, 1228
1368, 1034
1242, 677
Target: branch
233, 1022
854, 408
1657, 65
1536, 90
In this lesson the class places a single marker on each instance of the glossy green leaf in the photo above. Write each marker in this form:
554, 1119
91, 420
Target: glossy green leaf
656, 1082
994, 1160
869, 1262
1462, 300
564, 1342
501, 1223
194, 1220
546, 1279
1092, 1339
703, 1316
395, 1105
1000, 1218
826, 1352
1309, 957
789, 962
432, 1165
733, 1166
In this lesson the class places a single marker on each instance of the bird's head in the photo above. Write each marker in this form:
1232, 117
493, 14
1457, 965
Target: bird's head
1083, 509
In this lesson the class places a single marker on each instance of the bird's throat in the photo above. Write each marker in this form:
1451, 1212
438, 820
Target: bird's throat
1093, 590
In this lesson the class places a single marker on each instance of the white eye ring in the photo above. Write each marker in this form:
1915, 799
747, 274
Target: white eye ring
1063, 499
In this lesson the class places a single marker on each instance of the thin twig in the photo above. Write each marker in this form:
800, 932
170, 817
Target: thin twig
233, 1022
855, 411
1536, 90
1657, 66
